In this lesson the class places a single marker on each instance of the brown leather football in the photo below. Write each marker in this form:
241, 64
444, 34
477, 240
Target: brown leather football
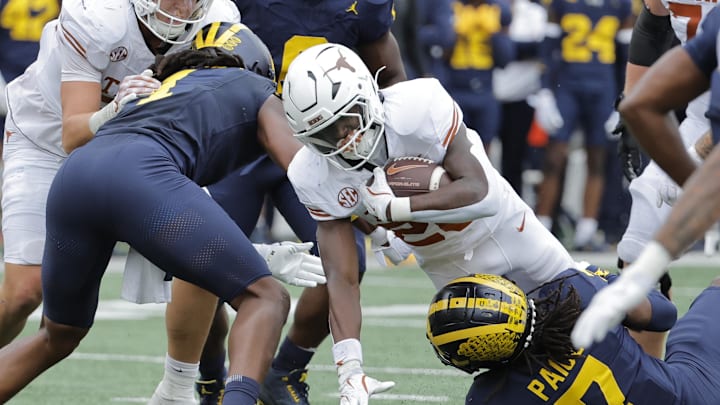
408, 176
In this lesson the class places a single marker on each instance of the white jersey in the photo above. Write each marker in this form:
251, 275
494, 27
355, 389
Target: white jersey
421, 120
686, 17
91, 41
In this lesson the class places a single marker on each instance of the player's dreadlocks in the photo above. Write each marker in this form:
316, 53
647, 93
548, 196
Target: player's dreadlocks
556, 314
166, 65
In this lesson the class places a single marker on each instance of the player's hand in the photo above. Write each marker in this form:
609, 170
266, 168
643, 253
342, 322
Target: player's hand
378, 196
384, 243
610, 305
611, 124
546, 111
668, 193
356, 387
134, 86
629, 153
291, 263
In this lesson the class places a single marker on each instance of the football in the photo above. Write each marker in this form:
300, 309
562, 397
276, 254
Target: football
408, 176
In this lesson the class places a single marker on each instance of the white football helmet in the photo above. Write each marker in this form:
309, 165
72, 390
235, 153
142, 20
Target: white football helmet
328, 82
152, 15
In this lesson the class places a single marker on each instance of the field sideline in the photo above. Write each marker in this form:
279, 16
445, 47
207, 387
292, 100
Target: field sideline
120, 361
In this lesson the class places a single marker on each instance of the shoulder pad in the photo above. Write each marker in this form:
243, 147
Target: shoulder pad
97, 26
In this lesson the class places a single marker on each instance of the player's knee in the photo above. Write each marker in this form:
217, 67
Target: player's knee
272, 298
62, 339
23, 300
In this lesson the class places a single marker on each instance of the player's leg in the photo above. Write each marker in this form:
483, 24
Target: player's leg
693, 352
555, 160
187, 321
213, 253
594, 109
73, 264
27, 175
241, 195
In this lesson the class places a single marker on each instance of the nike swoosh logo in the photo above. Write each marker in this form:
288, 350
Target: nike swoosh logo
395, 170
522, 224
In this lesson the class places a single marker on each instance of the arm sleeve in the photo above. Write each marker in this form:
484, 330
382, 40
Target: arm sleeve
652, 36
664, 312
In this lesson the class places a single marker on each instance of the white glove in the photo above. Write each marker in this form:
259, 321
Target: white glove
610, 124
131, 87
289, 262
546, 111
712, 237
379, 196
610, 305
356, 387
668, 193
384, 243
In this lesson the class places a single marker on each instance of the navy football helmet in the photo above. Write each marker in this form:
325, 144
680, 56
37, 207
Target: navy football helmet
239, 40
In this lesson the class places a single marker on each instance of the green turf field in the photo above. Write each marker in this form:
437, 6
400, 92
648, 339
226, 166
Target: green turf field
121, 360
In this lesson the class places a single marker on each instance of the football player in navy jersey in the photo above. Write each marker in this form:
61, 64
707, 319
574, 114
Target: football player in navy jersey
287, 28
524, 341
140, 180
584, 40
677, 77
481, 44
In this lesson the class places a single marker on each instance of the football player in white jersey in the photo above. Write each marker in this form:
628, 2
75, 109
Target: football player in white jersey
350, 130
652, 189
93, 56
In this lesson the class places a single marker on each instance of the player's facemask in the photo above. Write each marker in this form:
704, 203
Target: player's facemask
353, 136
154, 15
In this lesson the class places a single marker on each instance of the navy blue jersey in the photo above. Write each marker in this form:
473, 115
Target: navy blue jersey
615, 371
206, 119
471, 59
703, 51
289, 26
21, 23
587, 46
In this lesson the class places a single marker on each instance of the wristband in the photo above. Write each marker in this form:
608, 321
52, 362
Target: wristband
102, 116
650, 265
347, 350
400, 209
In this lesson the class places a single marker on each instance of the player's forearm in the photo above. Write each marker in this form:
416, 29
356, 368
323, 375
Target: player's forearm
76, 131
336, 242
696, 210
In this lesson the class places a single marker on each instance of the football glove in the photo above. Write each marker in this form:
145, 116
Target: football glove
289, 262
356, 387
384, 243
380, 201
131, 87
546, 111
668, 193
610, 304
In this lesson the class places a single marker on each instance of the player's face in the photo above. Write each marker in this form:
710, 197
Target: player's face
342, 132
181, 9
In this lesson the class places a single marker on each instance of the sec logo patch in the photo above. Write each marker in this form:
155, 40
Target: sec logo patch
348, 197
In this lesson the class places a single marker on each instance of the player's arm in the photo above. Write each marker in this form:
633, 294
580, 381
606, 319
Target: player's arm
275, 134
673, 81
656, 313
384, 52
80, 89
469, 186
468, 197
652, 36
